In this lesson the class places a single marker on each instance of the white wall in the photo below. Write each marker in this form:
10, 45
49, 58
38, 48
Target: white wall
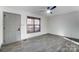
65, 24
1, 28
23, 14
43, 26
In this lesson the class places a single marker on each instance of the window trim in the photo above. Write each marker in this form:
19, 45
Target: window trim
34, 24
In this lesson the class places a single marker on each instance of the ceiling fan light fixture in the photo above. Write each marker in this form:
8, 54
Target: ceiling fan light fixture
48, 11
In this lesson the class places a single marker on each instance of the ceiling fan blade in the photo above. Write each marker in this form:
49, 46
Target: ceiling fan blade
53, 7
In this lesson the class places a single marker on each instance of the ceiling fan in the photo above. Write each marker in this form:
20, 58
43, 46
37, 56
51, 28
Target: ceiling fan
49, 9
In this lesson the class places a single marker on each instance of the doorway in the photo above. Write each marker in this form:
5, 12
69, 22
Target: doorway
11, 27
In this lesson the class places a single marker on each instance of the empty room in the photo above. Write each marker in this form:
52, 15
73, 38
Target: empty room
39, 28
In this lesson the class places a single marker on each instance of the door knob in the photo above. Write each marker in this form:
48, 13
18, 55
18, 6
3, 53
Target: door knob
18, 29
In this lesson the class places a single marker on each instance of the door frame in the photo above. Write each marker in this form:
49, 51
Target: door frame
4, 24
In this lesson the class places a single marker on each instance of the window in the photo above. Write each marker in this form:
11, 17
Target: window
33, 24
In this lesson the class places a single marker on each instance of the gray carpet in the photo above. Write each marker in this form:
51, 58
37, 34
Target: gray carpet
44, 43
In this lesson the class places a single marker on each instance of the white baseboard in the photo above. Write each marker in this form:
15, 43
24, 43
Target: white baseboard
71, 41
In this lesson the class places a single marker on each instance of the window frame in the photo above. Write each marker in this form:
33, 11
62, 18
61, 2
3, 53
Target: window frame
34, 18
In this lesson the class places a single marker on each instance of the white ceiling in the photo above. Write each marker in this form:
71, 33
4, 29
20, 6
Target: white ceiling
32, 9
41, 10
